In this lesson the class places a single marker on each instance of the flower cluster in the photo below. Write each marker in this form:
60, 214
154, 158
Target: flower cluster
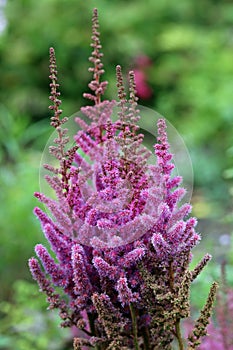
121, 238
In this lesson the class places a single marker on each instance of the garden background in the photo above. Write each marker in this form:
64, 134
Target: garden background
182, 53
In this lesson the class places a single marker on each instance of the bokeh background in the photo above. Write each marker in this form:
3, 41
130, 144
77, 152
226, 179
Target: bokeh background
182, 54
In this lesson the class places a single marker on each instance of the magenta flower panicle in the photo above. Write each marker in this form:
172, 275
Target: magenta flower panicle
121, 237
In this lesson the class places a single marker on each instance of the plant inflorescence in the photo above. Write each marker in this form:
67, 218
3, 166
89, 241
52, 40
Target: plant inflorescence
121, 237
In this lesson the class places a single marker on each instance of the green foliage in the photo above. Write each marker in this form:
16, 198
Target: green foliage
25, 324
200, 287
17, 224
19, 180
17, 133
188, 43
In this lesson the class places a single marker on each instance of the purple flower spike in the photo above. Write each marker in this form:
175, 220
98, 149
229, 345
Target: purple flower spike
39, 276
82, 284
161, 247
60, 244
104, 269
57, 274
125, 295
121, 238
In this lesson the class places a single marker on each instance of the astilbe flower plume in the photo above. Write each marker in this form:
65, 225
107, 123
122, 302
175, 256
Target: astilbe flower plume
121, 238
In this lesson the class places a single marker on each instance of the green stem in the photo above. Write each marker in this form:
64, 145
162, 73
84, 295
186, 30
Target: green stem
91, 324
178, 335
134, 325
92, 328
177, 325
145, 335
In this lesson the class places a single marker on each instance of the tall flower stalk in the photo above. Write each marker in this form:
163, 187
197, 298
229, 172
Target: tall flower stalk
121, 238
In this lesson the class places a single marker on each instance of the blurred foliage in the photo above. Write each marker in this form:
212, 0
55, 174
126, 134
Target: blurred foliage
190, 46
17, 133
25, 323
212, 272
19, 180
19, 231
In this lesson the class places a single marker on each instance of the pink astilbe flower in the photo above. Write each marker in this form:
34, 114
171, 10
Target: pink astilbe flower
57, 274
105, 269
122, 239
125, 295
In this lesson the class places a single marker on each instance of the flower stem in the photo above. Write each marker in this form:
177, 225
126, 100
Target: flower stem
146, 339
134, 325
178, 335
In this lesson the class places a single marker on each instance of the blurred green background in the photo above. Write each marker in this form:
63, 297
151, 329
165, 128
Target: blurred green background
182, 52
